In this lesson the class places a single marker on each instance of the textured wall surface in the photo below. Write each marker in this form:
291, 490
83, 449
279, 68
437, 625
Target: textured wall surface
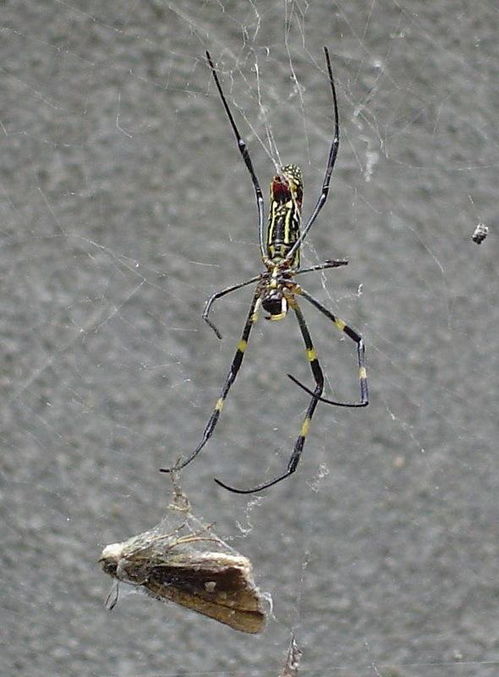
124, 205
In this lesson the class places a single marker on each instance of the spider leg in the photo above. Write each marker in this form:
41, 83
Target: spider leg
331, 263
245, 155
357, 338
316, 396
333, 152
219, 295
231, 377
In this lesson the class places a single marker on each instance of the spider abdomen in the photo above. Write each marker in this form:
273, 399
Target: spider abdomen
286, 195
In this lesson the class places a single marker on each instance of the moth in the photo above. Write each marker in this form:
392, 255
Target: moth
195, 570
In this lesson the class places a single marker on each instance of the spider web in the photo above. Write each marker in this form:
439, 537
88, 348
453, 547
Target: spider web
125, 204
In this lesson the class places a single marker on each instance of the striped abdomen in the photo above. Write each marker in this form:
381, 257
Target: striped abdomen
286, 194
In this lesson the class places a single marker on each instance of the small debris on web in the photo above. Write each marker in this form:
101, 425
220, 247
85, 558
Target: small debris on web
480, 233
293, 658
181, 560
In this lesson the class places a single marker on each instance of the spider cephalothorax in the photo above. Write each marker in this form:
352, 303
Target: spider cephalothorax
277, 291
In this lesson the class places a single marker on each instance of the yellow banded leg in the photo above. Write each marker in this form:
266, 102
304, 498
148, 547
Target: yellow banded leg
231, 377
313, 359
354, 336
315, 398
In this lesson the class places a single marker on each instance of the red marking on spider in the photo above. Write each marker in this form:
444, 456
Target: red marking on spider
280, 190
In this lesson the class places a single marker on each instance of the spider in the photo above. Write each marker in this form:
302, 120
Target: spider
276, 290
